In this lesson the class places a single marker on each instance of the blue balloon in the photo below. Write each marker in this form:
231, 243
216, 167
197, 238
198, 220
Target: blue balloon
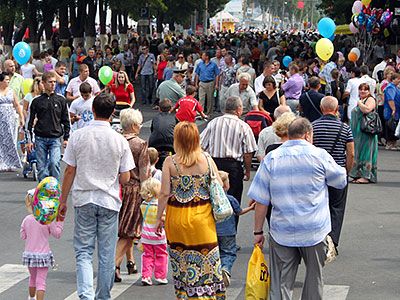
22, 52
326, 27
332, 38
287, 60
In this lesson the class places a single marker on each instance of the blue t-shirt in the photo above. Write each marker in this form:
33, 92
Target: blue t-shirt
391, 93
207, 72
228, 227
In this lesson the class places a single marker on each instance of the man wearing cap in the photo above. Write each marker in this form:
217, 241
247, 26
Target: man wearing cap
147, 67
171, 89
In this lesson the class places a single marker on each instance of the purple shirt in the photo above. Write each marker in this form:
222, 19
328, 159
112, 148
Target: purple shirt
293, 87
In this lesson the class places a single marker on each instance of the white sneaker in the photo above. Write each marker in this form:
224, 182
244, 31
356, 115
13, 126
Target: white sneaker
226, 277
147, 281
162, 281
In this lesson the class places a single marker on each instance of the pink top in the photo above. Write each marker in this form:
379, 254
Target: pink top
36, 235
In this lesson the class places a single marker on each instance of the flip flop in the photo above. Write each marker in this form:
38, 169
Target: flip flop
356, 181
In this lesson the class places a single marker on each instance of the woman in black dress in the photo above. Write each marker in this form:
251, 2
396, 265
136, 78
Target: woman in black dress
271, 97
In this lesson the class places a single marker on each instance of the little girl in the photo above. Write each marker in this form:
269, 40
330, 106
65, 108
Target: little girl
48, 66
37, 255
155, 256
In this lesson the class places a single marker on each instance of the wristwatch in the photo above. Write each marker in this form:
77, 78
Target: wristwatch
258, 232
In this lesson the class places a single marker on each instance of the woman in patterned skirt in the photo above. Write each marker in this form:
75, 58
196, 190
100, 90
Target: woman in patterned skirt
9, 159
189, 222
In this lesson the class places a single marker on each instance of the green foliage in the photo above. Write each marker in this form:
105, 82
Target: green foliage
339, 10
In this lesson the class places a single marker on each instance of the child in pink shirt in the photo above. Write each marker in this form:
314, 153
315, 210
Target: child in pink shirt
155, 255
37, 255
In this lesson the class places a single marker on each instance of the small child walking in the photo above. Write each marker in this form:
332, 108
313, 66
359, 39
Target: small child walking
226, 233
155, 255
188, 107
37, 255
153, 155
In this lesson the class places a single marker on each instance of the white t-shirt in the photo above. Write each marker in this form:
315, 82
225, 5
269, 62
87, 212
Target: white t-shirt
100, 154
82, 108
75, 83
352, 88
258, 83
27, 70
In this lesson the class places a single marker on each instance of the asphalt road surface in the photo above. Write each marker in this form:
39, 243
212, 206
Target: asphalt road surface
368, 265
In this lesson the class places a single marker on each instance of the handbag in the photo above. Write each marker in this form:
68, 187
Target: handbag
371, 123
222, 209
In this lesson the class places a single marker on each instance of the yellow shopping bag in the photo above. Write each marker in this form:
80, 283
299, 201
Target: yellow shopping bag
258, 280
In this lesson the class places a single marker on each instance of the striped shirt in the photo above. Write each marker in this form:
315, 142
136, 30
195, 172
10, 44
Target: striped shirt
149, 235
228, 137
326, 130
294, 179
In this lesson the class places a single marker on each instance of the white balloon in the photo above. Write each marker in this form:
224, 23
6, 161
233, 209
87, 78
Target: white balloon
356, 51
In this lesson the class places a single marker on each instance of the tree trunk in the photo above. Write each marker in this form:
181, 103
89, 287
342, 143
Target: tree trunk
77, 21
103, 17
123, 28
90, 26
63, 22
31, 18
114, 25
160, 20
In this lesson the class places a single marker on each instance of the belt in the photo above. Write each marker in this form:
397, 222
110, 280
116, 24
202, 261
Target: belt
227, 159
207, 81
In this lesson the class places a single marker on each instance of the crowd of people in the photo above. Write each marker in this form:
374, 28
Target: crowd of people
315, 142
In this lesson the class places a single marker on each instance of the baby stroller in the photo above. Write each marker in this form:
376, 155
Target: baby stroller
30, 164
257, 120
115, 122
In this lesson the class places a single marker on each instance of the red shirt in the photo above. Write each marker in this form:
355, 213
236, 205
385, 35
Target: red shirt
122, 95
160, 70
187, 108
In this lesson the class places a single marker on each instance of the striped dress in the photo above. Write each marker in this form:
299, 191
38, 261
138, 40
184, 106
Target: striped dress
192, 239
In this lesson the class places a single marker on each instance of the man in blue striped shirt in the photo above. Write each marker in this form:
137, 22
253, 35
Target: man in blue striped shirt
294, 179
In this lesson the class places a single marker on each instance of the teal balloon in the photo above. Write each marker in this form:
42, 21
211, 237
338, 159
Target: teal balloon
332, 38
22, 53
326, 27
105, 75
287, 60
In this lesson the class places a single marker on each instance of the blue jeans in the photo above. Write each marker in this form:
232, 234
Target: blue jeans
95, 222
227, 251
48, 155
147, 83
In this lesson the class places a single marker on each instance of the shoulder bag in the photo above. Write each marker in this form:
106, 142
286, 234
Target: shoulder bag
222, 209
312, 103
371, 123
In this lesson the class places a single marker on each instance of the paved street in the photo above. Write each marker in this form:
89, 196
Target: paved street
368, 266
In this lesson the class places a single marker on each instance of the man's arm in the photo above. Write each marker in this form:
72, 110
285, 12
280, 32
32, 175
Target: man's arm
247, 165
69, 176
259, 219
124, 177
349, 156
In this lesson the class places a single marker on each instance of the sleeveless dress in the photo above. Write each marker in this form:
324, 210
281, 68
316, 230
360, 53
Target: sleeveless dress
192, 239
130, 216
365, 149
9, 158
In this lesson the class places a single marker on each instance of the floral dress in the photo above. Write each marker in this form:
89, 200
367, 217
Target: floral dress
9, 158
192, 239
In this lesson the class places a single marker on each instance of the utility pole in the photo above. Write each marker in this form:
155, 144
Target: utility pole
205, 23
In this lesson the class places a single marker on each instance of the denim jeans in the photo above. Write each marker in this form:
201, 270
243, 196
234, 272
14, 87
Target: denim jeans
95, 222
147, 83
48, 155
227, 251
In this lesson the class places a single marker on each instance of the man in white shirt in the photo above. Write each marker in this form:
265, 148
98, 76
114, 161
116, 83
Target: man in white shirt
380, 67
352, 90
368, 80
244, 92
73, 86
98, 160
269, 70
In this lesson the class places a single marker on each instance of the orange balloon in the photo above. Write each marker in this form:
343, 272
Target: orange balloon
352, 57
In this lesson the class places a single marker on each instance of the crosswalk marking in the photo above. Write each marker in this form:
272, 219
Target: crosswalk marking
335, 292
12, 274
118, 289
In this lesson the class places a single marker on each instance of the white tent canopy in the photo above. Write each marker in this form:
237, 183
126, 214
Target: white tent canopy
224, 16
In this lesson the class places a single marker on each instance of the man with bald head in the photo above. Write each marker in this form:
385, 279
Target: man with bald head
335, 137
15, 78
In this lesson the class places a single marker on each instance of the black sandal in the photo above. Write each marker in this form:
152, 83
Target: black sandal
117, 277
131, 266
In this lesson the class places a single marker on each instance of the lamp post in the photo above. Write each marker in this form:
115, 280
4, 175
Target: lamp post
283, 13
205, 17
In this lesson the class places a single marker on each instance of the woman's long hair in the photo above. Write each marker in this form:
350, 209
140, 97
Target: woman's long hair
126, 83
187, 143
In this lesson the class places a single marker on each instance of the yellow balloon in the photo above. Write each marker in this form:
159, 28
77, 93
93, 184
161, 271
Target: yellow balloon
324, 49
26, 85
366, 2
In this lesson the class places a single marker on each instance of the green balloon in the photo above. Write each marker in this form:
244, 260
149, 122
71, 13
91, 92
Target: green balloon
105, 75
